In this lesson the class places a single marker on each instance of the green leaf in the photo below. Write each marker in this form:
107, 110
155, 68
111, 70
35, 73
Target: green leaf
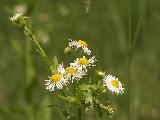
68, 115
86, 87
54, 65
108, 109
55, 61
67, 98
100, 89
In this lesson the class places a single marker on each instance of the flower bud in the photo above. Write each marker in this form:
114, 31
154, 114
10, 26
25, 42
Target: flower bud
67, 50
101, 73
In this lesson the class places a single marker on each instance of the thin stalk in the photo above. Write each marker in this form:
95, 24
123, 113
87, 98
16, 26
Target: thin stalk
29, 34
79, 113
129, 56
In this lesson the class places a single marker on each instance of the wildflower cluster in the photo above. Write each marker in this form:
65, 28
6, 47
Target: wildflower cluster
87, 96
78, 69
74, 72
65, 76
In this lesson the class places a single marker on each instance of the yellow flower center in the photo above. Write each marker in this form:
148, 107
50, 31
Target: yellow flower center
83, 61
56, 77
71, 70
115, 83
83, 43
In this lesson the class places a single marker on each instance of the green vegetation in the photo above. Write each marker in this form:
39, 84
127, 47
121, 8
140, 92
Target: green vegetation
123, 34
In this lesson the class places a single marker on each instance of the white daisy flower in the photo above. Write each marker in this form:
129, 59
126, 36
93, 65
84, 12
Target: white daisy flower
15, 17
74, 73
112, 83
83, 62
80, 44
57, 80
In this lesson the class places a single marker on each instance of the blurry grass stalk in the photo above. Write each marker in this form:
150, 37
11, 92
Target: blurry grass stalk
129, 58
87, 4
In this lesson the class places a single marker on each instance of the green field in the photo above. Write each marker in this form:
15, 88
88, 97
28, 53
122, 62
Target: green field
123, 34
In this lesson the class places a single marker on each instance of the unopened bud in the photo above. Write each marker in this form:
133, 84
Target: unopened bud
101, 73
67, 50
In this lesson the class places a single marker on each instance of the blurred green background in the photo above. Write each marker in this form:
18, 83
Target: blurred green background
123, 34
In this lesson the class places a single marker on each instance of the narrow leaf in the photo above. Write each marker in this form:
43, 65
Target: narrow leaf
67, 98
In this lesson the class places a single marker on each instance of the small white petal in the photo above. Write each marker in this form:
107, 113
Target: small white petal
48, 82
15, 17
86, 50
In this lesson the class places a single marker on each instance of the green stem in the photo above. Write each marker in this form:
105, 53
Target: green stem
79, 114
29, 34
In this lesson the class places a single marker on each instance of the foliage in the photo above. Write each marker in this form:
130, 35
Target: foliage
106, 28
86, 97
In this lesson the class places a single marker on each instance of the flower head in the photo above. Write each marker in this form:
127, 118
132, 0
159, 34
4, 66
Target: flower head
19, 20
57, 79
80, 44
113, 84
71, 70
16, 17
83, 63
74, 72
